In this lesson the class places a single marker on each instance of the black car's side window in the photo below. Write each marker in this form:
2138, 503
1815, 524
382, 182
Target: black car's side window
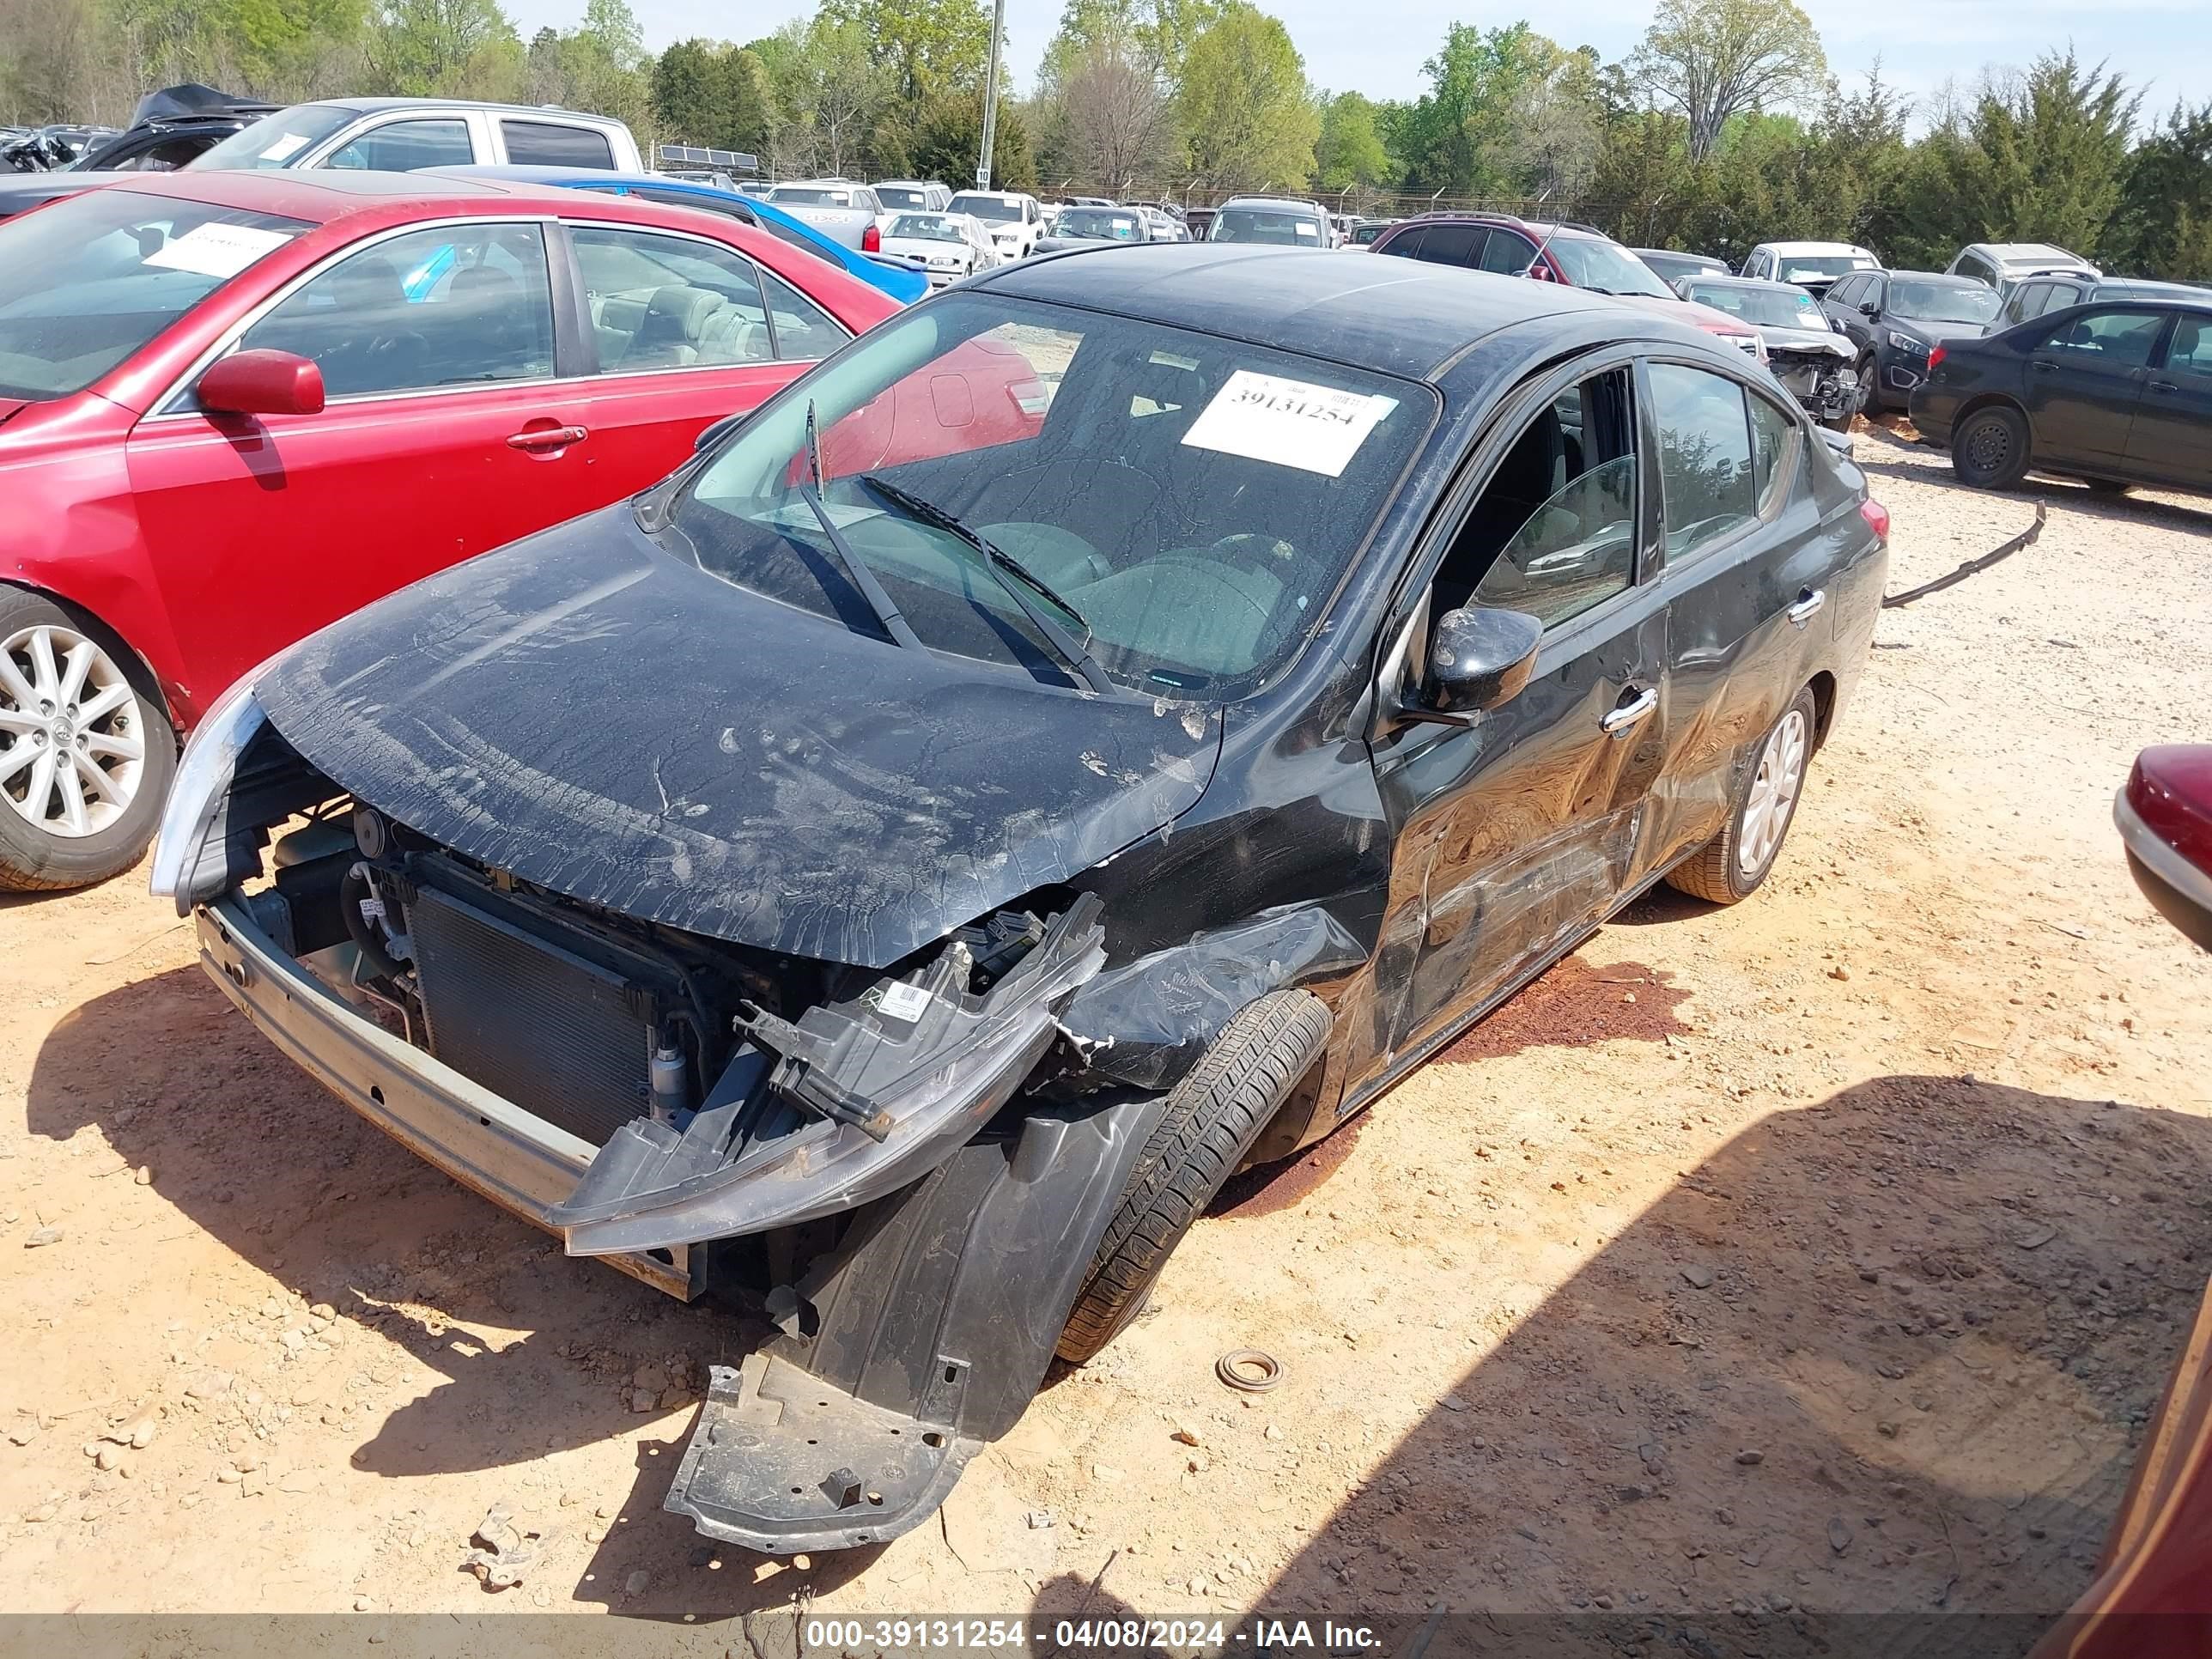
1847, 292
1708, 480
1772, 433
2116, 339
1555, 529
2192, 350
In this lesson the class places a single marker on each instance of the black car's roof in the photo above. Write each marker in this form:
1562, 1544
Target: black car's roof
1395, 316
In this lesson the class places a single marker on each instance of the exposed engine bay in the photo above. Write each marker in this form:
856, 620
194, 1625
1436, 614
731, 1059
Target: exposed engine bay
1820, 376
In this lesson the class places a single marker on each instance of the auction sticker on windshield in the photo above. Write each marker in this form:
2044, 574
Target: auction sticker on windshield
217, 250
1265, 417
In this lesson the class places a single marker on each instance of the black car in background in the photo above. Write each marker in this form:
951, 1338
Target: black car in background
2115, 394
1672, 266
1103, 800
2031, 296
1894, 319
172, 127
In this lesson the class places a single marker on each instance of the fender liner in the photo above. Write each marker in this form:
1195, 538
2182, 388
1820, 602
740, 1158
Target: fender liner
919, 1338
1145, 1023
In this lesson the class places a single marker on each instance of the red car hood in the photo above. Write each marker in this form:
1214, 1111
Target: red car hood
9, 407
1688, 311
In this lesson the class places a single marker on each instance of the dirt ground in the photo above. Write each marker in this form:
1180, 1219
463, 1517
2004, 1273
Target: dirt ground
1821, 1255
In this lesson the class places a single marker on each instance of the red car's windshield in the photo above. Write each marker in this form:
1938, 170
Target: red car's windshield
86, 283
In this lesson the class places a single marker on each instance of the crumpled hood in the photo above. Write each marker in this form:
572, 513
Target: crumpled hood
1822, 340
607, 721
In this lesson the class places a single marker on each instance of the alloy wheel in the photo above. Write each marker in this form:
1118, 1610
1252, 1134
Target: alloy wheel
72, 733
1773, 793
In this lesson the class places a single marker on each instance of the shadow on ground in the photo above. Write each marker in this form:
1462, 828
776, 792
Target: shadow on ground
1952, 1305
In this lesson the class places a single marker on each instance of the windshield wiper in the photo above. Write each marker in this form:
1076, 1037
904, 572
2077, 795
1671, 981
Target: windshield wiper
856, 566
995, 560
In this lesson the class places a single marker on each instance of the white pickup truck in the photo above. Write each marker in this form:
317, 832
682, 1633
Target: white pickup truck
849, 215
401, 135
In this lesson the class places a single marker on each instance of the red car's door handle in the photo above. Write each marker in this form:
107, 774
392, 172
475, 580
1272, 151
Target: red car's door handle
548, 437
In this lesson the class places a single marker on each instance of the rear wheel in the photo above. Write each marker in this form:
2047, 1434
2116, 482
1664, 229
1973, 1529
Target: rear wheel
1989, 450
1212, 1117
85, 753
1732, 865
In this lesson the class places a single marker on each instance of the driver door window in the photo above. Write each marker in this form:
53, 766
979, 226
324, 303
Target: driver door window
458, 304
2114, 339
404, 146
1708, 482
1508, 253
1554, 532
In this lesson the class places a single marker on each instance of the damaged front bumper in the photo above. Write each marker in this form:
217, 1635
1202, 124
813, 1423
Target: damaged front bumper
490, 1145
1821, 381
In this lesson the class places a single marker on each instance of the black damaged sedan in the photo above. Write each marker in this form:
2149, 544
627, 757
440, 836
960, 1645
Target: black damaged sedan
1094, 732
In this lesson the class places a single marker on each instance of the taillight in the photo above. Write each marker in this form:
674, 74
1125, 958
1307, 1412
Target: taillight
871, 240
1935, 357
1877, 518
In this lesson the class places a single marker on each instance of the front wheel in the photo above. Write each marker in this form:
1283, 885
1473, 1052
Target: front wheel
86, 753
1732, 865
1839, 422
1989, 450
1212, 1117
1869, 384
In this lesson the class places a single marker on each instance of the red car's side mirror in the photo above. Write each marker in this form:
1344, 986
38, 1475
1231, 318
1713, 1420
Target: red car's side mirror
262, 383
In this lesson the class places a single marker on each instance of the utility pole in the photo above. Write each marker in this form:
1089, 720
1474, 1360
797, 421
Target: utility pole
991, 96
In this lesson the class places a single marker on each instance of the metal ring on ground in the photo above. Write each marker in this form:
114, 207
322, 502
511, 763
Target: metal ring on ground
1237, 1368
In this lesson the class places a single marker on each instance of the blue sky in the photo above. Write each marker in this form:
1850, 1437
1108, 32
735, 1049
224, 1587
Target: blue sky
1378, 47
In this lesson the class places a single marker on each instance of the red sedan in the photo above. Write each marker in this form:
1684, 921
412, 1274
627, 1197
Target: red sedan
235, 406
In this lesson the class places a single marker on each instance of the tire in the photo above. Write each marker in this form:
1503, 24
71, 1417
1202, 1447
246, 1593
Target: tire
1869, 374
1838, 422
70, 836
1213, 1115
1990, 447
1733, 863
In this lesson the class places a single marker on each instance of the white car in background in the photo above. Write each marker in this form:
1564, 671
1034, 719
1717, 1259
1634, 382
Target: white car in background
946, 246
1014, 219
1809, 265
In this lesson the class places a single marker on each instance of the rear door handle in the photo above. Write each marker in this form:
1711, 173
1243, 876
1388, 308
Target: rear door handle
1807, 606
548, 437
1629, 713
2164, 385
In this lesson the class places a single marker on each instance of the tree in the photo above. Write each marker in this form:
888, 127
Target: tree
951, 137
449, 48
1454, 138
2164, 224
1711, 59
1116, 120
1349, 154
706, 93
929, 47
2055, 146
1554, 126
828, 93
1245, 103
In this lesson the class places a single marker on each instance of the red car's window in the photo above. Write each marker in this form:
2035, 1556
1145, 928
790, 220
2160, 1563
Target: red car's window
455, 305
85, 282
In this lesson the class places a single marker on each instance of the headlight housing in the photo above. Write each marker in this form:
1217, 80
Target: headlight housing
1907, 342
204, 777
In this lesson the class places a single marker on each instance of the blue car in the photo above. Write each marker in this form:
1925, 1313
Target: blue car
896, 277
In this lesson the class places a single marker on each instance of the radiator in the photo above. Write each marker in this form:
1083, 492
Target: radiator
563, 1038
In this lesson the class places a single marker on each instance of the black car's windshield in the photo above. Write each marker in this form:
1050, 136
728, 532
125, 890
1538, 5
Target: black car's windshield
86, 282
1282, 227
1100, 225
1763, 304
1941, 302
1194, 501
991, 209
275, 141
1816, 267
1593, 262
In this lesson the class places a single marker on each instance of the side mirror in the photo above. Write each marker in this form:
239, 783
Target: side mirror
262, 383
1868, 308
1479, 659
711, 435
